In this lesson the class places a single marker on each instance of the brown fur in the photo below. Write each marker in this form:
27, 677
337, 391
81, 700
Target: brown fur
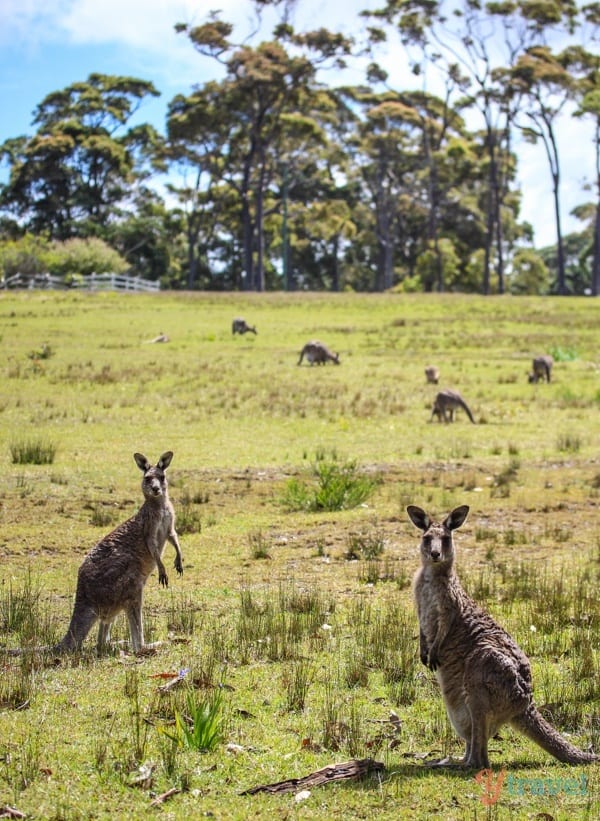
432, 374
240, 326
484, 676
316, 351
445, 403
542, 368
112, 576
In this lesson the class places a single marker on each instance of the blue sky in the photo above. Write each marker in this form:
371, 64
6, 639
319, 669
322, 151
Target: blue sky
45, 45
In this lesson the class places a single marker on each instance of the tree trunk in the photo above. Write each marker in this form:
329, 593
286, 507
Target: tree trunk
596, 253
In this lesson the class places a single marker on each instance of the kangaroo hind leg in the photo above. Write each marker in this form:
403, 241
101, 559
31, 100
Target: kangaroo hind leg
136, 626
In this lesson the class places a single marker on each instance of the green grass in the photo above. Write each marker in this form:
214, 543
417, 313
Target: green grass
299, 616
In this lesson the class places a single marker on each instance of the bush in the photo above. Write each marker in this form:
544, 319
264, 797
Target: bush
32, 452
83, 257
338, 487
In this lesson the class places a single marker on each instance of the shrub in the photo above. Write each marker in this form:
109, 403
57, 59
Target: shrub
337, 487
32, 452
201, 728
84, 257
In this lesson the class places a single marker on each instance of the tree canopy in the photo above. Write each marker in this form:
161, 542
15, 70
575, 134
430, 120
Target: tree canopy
276, 179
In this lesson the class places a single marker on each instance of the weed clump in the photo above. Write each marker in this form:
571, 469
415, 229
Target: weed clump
200, 728
336, 487
32, 452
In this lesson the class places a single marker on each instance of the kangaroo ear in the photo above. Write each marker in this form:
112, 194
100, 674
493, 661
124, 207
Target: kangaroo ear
457, 517
418, 517
141, 461
165, 460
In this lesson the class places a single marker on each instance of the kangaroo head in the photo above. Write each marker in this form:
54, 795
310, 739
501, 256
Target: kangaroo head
437, 545
154, 482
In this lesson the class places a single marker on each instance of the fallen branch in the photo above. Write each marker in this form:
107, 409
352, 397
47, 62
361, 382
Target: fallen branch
11, 812
333, 772
160, 799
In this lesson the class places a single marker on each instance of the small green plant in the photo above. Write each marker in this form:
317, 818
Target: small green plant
189, 519
259, 547
568, 443
368, 544
32, 452
101, 516
338, 487
181, 615
297, 678
44, 352
201, 727
504, 479
139, 726
561, 354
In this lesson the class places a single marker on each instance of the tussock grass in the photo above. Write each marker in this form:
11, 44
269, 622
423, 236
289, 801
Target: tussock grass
32, 452
313, 655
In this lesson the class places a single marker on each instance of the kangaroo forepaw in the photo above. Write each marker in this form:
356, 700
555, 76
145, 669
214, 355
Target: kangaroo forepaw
163, 579
178, 566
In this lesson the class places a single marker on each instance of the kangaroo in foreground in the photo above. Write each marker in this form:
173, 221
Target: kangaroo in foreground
113, 574
484, 676
542, 368
445, 403
240, 326
316, 351
432, 374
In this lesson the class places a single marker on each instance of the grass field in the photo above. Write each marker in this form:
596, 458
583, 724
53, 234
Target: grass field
295, 621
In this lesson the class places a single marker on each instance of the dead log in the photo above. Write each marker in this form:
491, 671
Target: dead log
333, 772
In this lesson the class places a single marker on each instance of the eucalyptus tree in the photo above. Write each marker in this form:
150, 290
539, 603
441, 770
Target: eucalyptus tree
549, 88
417, 162
473, 42
84, 161
584, 67
262, 97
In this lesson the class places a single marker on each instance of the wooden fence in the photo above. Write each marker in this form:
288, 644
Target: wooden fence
93, 282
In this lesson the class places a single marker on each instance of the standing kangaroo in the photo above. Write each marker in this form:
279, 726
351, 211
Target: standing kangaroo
316, 351
542, 368
432, 374
445, 403
484, 676
113, 574
240, 326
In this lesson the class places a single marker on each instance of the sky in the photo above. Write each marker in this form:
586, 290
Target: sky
45, 45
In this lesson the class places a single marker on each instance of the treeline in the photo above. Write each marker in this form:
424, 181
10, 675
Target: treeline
276, 180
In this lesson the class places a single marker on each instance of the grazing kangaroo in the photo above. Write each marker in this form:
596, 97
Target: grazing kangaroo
316, 351
113, 574
446, 402
484, 676
542, 368
432, 374
240, 326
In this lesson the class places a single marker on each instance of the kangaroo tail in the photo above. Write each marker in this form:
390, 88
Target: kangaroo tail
467, 411
532, 724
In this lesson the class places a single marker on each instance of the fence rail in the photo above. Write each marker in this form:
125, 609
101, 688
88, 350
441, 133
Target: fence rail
93, 282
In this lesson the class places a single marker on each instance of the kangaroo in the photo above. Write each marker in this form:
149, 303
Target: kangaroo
446, 402
432, 374
113, 574
542, 369
316, 351
240, 326
484, 676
